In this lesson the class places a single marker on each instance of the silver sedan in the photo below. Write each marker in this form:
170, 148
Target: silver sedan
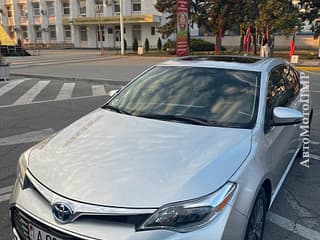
195, 148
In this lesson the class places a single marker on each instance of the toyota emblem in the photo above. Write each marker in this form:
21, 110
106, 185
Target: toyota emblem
62, 212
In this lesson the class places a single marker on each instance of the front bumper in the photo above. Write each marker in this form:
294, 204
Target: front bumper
28, 206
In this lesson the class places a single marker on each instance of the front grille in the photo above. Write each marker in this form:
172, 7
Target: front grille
20, 221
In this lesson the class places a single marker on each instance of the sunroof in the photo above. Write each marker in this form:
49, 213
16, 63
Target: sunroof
238, 59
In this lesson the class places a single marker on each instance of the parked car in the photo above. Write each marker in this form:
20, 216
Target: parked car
194, 148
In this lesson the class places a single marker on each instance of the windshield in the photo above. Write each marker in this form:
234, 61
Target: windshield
207, 96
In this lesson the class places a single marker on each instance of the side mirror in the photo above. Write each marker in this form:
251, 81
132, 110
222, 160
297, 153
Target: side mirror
286, 116
112, 92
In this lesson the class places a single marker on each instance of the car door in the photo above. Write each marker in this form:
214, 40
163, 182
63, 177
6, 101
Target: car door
280, 140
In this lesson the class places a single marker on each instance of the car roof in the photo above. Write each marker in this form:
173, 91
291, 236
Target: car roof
246, 63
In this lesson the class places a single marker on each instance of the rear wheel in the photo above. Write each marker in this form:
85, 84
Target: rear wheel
257, 217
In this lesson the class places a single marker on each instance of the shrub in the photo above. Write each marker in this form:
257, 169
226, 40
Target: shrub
146, 45
198, 45
169, 44
159, 44
135, 45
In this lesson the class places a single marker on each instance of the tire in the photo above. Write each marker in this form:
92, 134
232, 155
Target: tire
257, 217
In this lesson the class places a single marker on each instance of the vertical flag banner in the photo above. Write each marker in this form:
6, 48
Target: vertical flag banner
182, 27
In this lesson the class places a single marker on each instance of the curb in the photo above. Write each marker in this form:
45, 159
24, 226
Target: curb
108, 81
308, 68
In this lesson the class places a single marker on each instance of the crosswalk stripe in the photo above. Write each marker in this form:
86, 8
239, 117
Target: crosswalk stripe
6, 88
98, 90
66, 91
32, 93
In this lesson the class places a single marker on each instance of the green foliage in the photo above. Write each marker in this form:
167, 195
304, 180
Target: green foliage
170, 7
146, 45
169, 44
135, 45
198, 45
277, 16
311, 14
159, 44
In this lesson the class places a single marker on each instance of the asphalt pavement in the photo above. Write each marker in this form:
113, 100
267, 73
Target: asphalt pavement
33, 108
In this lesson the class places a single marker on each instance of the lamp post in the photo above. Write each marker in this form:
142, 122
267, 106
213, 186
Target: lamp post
121, 28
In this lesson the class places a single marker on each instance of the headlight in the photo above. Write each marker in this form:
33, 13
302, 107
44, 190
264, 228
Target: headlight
190, 215
22, 167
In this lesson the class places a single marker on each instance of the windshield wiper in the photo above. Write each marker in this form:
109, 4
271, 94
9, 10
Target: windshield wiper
178, 118
115, 109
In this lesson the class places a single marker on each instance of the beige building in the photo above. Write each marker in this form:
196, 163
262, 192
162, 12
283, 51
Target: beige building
80, 23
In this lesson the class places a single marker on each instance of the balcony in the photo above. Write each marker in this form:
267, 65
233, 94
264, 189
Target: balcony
23, 20
22, 1
147, 18
36, 20
11, 21
51, 20
8, 2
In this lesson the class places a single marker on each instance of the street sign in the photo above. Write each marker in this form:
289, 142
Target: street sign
182, 28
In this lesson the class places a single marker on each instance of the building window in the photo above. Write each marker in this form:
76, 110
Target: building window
67, 32
110, 30
136, 32
36, 9
38, 32
116, 7
99, 7
23, 10
153, 31
24, 32
83, 33
9, 11
52, 32
82, 7
136, 5
50, 8
102, 34
66, 8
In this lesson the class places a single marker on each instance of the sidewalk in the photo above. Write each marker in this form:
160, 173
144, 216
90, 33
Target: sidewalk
309, 65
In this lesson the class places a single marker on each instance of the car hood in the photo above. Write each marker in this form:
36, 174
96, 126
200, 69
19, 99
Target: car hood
112, 159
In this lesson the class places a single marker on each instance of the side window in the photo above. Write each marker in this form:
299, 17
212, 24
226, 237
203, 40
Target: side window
277, 93
292, 82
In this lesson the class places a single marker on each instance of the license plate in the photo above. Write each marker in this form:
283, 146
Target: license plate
38, 234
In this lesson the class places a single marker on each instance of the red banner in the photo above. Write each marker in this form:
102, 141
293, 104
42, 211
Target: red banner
182, 27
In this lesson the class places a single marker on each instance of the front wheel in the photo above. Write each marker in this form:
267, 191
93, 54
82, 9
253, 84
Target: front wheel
257, 217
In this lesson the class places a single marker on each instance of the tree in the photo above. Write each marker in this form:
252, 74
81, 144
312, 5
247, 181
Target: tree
159, 44
146, 45
170, 7
311, 13
277, 17
219, 17
135, 45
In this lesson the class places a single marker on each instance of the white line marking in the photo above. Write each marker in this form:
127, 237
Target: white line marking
98, 90
6, 190
48, 101
32, 93
316, 157
298, 229
66, 91
29, 137
5, 197
6, 88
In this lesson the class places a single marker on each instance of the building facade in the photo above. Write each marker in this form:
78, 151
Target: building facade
80, 23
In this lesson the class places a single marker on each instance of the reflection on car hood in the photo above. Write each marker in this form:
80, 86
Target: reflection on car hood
119, 160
